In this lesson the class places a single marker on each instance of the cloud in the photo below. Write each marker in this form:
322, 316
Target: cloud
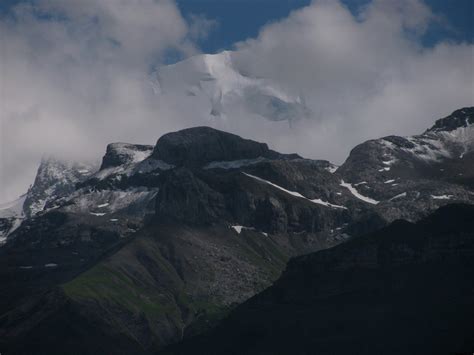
200, 26
363, 76
75, 76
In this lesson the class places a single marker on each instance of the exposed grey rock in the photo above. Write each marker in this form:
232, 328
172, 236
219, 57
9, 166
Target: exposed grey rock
459, 118
123, 153
184, 198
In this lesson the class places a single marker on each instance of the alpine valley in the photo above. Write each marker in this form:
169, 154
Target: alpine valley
209, 243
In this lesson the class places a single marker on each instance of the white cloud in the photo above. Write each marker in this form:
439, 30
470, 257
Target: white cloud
363, 76
200, 26
75, 77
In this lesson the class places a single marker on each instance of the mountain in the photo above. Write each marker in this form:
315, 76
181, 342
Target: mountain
162, 242
11, 216
55, 178
214, 85
406, 289
409, 176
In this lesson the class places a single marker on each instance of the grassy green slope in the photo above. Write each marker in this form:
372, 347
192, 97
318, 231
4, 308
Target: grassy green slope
171, 282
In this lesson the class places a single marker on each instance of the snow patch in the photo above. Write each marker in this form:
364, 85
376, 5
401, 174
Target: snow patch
98, 214
51, 265
327, 204
356, 193
332, 168
296, 194
83, 201
389, 162
238, 229
135, 166
441, 197
404, 194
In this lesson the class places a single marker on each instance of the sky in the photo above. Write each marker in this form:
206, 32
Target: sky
75, 74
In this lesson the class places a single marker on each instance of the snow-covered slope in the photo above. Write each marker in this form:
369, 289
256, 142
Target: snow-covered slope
13, 208
54, 179
11, 216
212, 85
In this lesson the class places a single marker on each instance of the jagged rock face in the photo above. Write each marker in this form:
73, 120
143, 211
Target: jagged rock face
209, 196
201, 145
404, 289
185, 198
118, 154
411, 176
458, 119
54, 179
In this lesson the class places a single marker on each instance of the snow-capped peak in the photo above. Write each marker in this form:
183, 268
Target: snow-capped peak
213, 84
55, 178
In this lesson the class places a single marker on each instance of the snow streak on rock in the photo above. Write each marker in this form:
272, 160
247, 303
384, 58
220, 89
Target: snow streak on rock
296, 194
356, 193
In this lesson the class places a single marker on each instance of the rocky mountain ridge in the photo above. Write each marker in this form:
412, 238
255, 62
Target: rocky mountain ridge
162, 241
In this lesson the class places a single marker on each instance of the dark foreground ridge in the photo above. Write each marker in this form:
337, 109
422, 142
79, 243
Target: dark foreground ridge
406, 289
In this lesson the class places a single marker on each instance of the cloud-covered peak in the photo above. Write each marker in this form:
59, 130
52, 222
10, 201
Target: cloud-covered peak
77, 77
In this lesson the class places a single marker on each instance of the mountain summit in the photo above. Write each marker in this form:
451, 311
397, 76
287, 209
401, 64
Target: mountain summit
200, 145
462, 118
213, 84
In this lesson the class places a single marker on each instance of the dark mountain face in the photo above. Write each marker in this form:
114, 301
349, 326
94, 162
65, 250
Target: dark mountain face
118, 154
200, 145
406, 289
461, 118
162, 242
